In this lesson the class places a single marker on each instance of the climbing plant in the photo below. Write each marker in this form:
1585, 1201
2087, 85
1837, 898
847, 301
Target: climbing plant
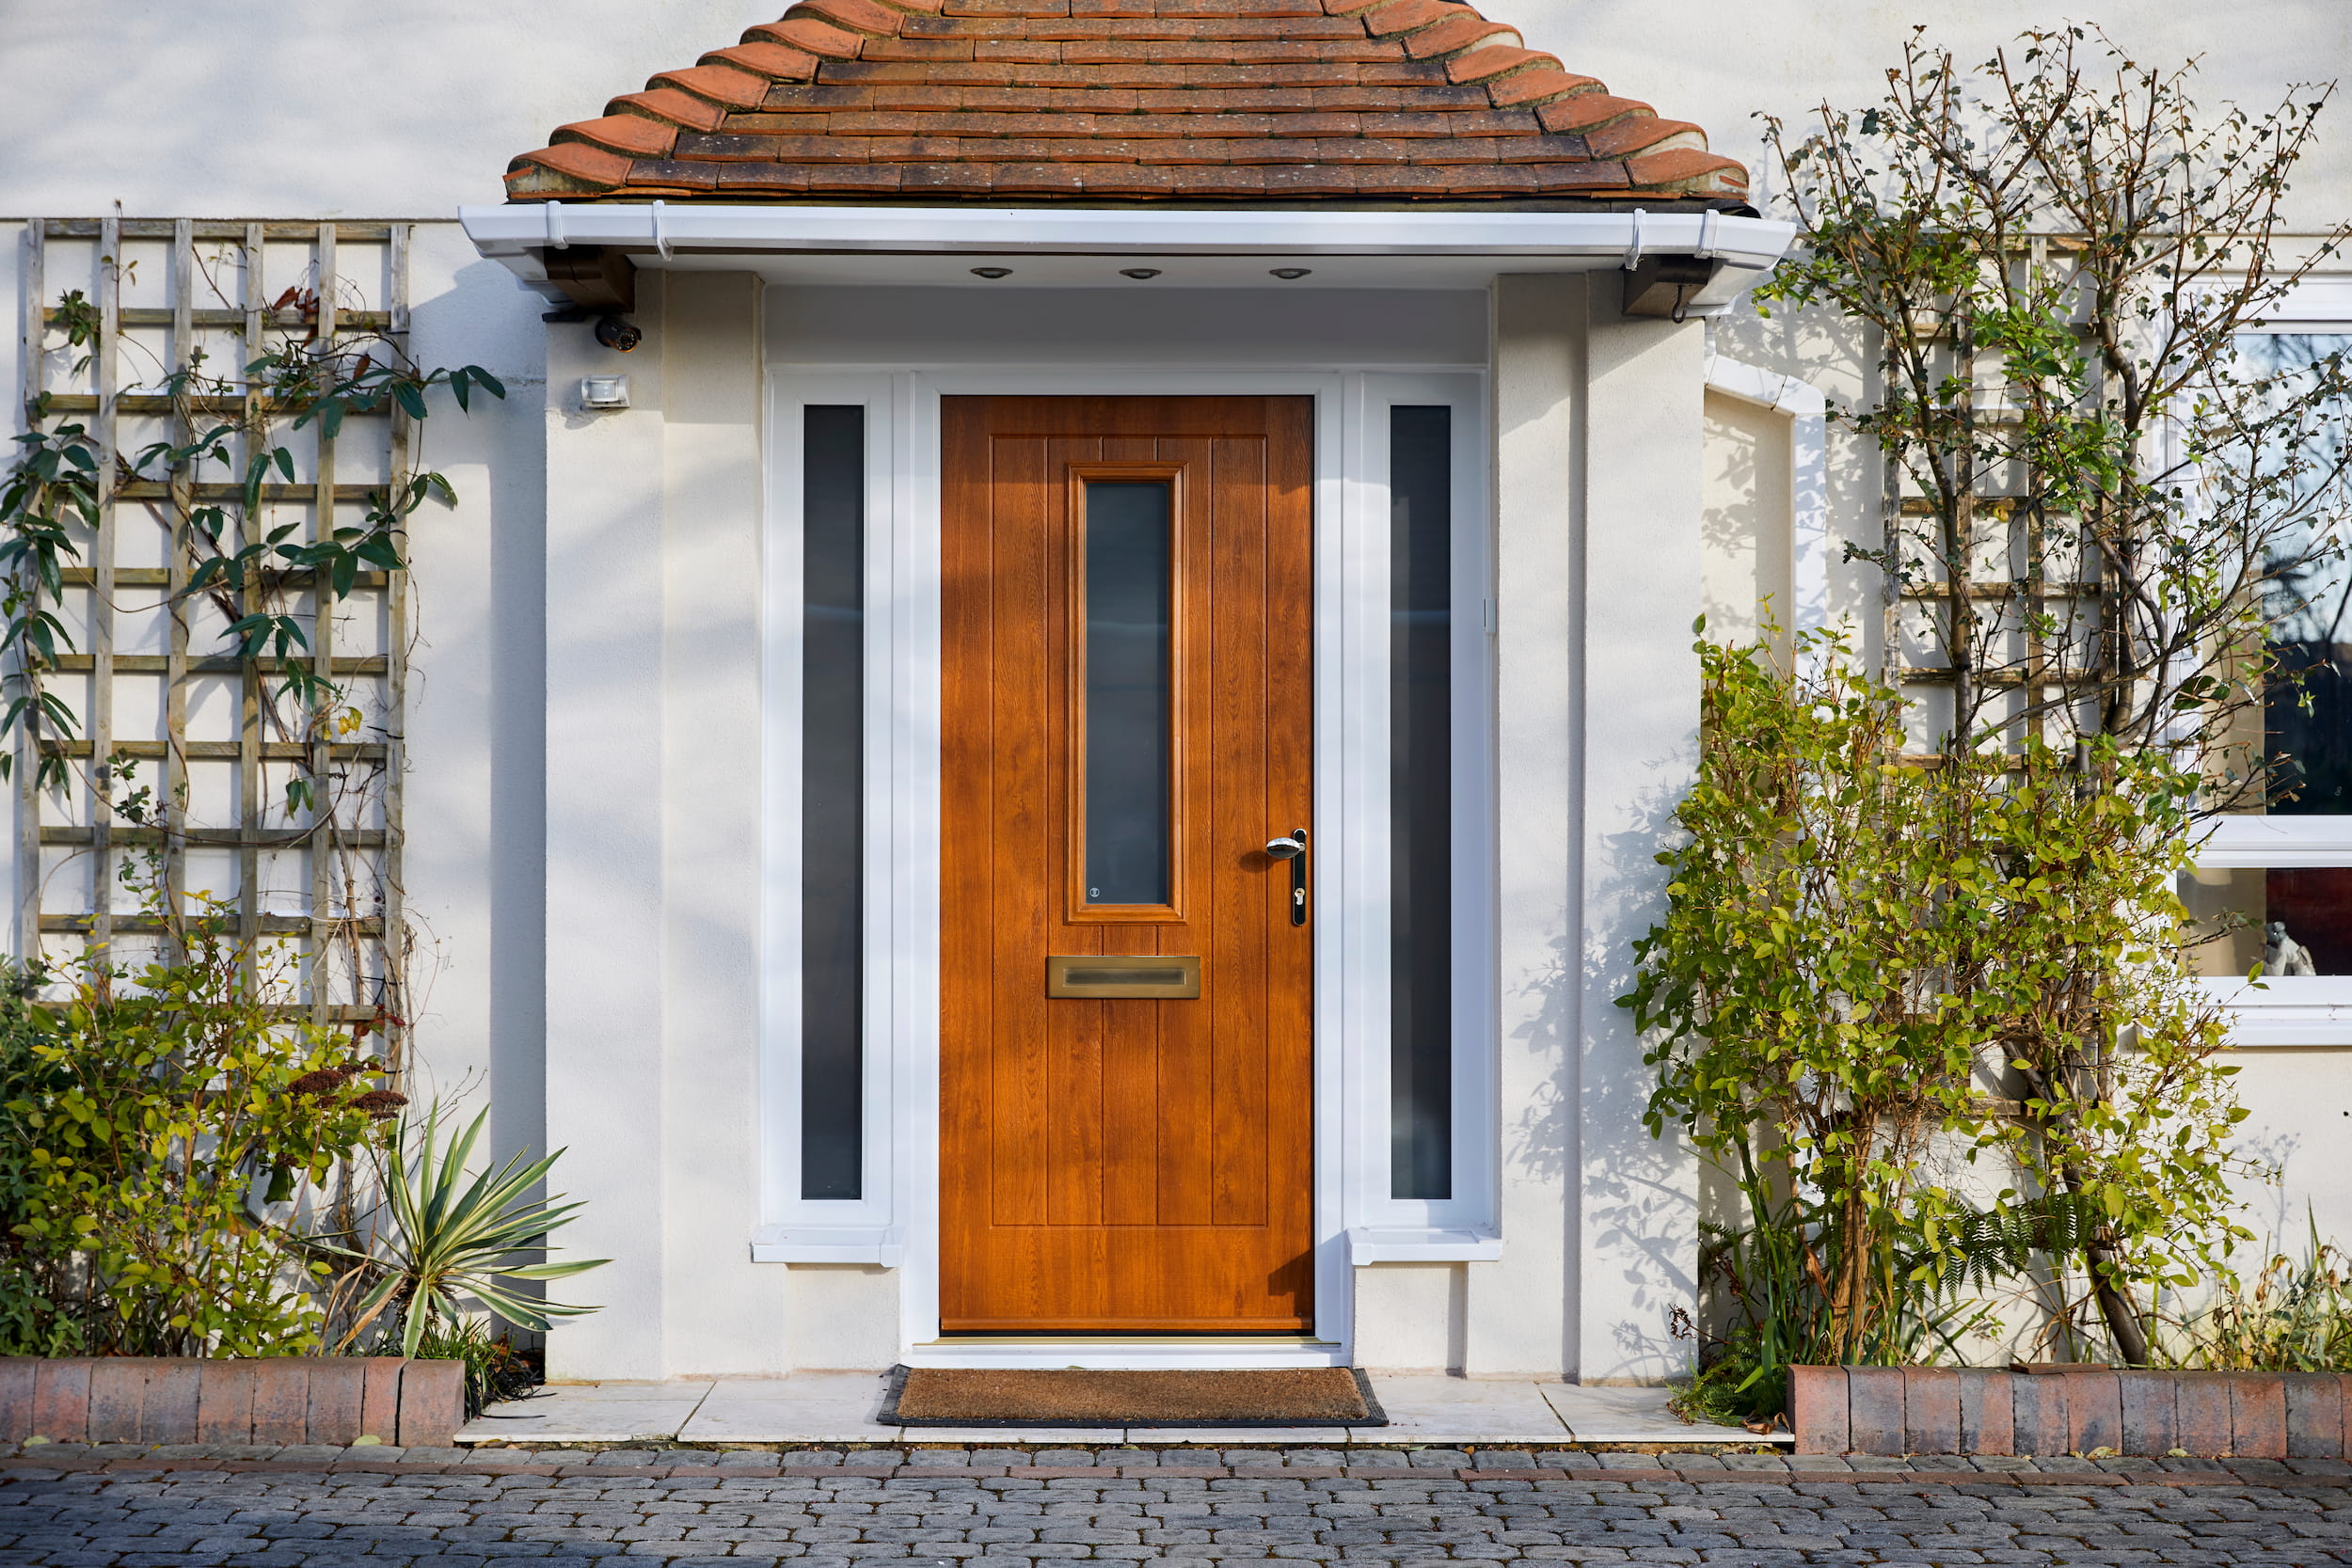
1927, 1015
57, 481
2048, 265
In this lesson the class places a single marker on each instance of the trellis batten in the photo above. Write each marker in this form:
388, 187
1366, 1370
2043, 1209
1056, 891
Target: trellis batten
326, 880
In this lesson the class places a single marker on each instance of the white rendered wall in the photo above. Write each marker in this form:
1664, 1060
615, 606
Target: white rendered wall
652, 889
1522, 1309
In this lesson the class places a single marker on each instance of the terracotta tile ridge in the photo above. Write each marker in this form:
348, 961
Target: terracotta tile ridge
1473, 49
823, 51
594, 157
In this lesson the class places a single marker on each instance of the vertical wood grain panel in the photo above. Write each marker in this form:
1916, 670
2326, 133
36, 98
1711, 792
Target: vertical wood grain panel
1125, 1165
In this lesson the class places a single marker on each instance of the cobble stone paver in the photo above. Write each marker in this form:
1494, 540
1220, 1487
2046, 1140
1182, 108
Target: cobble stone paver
198, 1507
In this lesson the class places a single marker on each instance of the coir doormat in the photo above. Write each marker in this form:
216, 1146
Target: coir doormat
1072, 1397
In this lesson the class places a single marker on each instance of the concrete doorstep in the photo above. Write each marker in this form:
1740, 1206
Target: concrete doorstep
839, 1407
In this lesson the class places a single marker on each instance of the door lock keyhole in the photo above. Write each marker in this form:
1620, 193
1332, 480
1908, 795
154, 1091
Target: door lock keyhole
1293, 849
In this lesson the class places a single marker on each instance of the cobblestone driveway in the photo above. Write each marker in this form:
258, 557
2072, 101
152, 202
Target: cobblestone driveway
1001, 1508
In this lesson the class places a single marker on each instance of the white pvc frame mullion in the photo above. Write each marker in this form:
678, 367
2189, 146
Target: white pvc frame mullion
1471, 1206
782, 1205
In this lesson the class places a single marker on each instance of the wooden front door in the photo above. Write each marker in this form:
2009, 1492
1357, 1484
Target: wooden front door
1127, 675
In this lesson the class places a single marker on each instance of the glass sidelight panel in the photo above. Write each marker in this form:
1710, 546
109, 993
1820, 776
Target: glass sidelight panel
832, 785
1420, 802
1128, 742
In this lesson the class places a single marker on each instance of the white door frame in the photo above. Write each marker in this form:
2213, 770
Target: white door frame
897, 1220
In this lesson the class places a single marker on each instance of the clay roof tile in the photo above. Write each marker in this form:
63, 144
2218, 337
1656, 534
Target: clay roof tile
1280, 101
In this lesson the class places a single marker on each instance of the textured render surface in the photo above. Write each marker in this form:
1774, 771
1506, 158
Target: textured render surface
1012, 1508
1258, 100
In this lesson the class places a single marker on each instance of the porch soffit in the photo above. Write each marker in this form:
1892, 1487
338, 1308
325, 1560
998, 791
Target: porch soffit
1163, 100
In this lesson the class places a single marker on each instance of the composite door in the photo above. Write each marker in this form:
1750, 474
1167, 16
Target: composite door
1125, 1053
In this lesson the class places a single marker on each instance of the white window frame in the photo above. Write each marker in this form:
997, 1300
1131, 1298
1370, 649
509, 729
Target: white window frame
794, 1228
1461, 1227
2289, 1010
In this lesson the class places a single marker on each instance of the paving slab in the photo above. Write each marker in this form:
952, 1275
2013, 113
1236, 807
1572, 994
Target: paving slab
806, 1407
1427, 1408
1220, 1436
1423, 1409
1600, 1414
590, 1413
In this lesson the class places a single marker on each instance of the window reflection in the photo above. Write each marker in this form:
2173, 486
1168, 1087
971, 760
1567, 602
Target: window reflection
2307, 707
2292, 921
1420, 802
833, 789
1128, 746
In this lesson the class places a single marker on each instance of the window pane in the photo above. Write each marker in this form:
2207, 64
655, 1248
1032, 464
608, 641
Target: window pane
2290, 920
1127, 561
833, 729
2308, 706
1420, 783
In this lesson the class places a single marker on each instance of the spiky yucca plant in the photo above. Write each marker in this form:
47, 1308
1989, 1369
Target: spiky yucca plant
452, 1237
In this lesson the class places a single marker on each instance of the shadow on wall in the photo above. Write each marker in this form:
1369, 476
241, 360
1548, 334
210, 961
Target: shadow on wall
1640, 1200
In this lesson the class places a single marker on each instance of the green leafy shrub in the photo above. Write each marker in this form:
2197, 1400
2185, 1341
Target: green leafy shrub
159, 1121
1877, 971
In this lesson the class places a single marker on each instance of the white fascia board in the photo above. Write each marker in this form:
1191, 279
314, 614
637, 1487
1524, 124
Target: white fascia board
512, 233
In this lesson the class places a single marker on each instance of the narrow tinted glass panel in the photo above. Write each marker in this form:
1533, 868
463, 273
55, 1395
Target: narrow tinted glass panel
2308, 595
832, 703
1420, 783
1127, 562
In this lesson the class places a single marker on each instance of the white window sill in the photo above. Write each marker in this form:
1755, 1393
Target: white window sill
2300, 1010
811, 1243
1400, 1245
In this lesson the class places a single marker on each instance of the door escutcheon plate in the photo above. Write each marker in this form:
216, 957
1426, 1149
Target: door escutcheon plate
1118, 976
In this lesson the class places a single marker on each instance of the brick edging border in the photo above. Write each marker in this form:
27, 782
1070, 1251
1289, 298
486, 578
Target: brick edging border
1894, 1410
36, 1466
284, 1400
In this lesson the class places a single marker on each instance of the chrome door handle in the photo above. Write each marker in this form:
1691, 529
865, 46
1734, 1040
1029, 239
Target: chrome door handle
1293, 849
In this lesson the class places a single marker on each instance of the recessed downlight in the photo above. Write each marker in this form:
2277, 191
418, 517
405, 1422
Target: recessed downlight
1287, 273
1138, 272
992, 271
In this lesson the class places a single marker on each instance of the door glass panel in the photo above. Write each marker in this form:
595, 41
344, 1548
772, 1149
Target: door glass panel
833, 778
1420, 802
1127, 702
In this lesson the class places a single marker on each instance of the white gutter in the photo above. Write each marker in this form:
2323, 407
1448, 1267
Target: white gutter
515, 235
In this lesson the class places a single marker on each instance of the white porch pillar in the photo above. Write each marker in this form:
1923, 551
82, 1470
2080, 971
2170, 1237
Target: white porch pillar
1637, 1213
1597, 429
654, 519
604, 926
1520, 1310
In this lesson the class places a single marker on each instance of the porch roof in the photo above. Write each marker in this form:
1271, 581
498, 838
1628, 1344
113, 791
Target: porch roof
1167, 101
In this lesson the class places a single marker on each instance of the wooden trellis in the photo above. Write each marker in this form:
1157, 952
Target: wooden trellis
156, 680
2020, 589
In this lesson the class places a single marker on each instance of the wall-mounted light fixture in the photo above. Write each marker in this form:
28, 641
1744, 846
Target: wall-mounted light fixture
603, 393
